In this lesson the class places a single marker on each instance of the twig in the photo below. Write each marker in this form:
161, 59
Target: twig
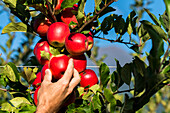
50, 11
166, 54
6, 90
120, 41
95, 16
123, 91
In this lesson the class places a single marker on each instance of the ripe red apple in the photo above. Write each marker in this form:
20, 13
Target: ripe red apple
43, 71
41, 25
35, 95
57, 33
58, 65
41, 46
76, 43
88, 77
37, 80
80, 62
67, 15
90, 41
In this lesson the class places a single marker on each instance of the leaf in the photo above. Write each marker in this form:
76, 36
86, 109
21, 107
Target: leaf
82, 5
96, 102
128, 105
11, 3
95, 88
167, 4
107, 24
104, 74
126, 73
68, 3
109, 96
142, 33
157, 35
153, 17
14, 27
80, 90
55, 51
164, 21
7, 107
18, 101
45, 55
26, 108
10, 70
131, 21
29, 74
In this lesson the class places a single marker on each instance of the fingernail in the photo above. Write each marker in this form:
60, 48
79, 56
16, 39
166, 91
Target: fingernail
46, 71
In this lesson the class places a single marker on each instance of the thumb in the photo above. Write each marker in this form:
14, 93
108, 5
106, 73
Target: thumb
48, 76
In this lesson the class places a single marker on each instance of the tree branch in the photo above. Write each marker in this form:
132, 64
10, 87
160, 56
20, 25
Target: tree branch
120, 41
6, 90
50, 11
95, 16
123, 91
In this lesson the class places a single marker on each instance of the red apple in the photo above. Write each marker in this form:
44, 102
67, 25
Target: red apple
58, 65
67, 15
37, 80
41, 25
76, 43
90, 41
43, 71
36, 95
57, 33
41, 46
80, 62
88, 77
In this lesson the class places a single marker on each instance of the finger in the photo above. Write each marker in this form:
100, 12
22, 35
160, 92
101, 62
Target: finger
75, 80
69, 71
48, 76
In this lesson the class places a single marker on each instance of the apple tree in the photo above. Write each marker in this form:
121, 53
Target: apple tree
144, 78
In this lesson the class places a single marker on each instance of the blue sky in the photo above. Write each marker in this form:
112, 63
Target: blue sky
122, 8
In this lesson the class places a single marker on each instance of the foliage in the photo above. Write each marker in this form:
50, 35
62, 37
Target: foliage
143, 79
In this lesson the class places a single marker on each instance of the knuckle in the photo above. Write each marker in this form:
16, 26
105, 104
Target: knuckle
65, 84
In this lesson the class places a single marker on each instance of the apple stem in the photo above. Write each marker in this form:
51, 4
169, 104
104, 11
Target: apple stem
50, 11
95, 16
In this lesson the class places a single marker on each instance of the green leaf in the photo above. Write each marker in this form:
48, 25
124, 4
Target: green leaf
97, 3
55, 51
167, 4
45, 55
157, 35
95, 88
96, 102
131, 21
18, 101
153, 17
14, 27
80, 90
29, 74
164, 21
26, 108
7, 107
142, 33
87, 95
68, 3
107, 24
11, 3
109, 96
82, 5
10, 70
104, 74
128, 105
126, 73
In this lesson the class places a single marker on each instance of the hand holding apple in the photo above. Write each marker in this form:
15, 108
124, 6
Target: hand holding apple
52, 95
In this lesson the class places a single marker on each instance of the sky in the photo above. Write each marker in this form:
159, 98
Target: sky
122, 8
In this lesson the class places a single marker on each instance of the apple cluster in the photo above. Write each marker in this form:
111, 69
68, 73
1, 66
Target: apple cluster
58, 44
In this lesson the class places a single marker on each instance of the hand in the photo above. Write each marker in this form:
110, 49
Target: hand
52, 95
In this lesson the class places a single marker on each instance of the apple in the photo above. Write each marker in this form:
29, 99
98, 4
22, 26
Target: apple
41, 25
90, 41
58, 65
88, 77
43, 71
37, 80
36, 95
80, 62
67, 15
42, 45
57, 33
76, 43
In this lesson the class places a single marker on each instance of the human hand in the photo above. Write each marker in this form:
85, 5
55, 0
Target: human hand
52, 95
